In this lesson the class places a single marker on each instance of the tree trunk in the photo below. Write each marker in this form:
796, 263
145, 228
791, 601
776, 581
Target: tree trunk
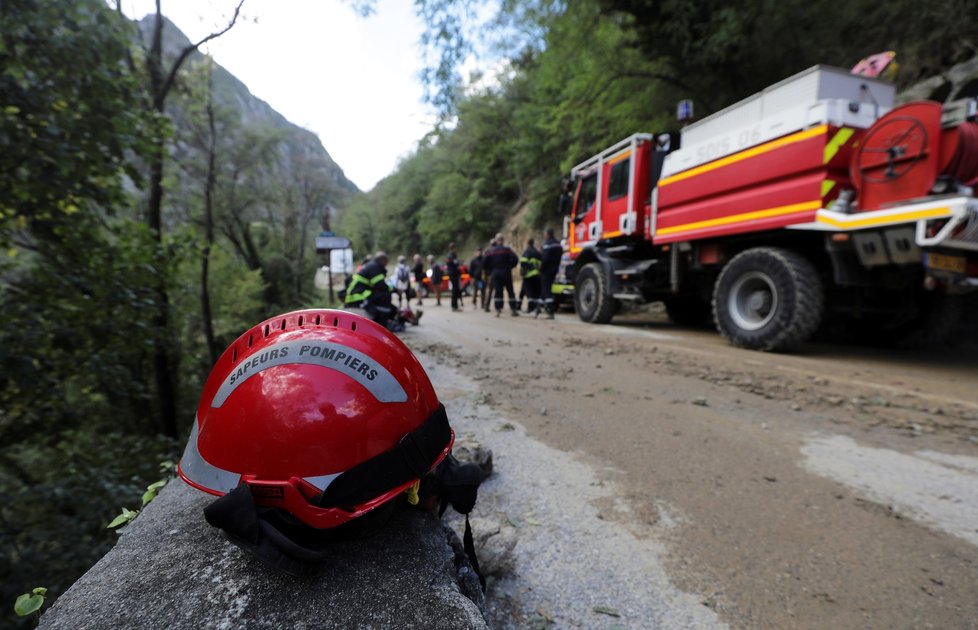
163, 375
160, 82
205, 299
165, 389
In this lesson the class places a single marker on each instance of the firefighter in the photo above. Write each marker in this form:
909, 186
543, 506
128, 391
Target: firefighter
487, 287
369, 291
437, 275
476, 282
453, 269
498, 264
418, 271
549, 265
530, 271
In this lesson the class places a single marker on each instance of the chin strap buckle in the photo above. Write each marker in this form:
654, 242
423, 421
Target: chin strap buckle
412, 493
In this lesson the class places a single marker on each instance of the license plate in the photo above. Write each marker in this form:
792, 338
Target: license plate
956, 264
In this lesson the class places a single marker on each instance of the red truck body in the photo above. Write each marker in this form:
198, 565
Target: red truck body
834, 205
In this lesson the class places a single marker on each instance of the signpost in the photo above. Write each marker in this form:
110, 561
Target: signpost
325, 243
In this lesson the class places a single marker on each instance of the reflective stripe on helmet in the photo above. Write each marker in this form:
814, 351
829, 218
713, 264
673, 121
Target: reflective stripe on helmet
322, 482
357, 365
197, 470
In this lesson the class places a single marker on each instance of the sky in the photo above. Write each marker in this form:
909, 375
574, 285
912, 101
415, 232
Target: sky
352, 80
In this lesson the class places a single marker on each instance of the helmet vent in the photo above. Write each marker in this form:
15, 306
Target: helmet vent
317, 319
300, 320
283, 324
336, 321
266, 330
234, 354
353, 325
251, 340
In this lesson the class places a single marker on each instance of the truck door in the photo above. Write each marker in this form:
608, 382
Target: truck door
586, 229
616, 210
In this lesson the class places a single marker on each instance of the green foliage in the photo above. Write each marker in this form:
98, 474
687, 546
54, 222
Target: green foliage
152, 490
30, 603
124, 518
69, 115
78, 269
55, 491
127, 516
584, 86
76, 330
718, 51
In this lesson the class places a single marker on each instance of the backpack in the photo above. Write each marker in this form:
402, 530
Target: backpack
403, 273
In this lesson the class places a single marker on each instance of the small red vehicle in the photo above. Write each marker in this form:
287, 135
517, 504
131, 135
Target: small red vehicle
446, 287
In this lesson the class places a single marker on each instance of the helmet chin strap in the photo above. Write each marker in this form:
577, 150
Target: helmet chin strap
280, 540
412, 458
287, 544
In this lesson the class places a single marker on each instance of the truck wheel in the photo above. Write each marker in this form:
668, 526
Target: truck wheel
594, 305
688, 310
768, 298
937, 321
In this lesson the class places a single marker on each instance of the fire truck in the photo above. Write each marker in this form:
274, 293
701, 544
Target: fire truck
817, 199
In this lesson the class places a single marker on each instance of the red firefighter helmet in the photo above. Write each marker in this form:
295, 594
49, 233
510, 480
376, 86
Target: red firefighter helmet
320, 413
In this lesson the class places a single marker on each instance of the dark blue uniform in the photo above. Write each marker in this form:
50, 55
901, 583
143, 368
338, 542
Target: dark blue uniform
454, 270
478, 282
498, 263
530, 270
549, 266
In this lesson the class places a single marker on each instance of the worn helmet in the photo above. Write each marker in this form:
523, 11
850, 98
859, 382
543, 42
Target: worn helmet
312, 419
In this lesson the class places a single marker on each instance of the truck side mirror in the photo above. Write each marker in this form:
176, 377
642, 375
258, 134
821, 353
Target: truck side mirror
565, 204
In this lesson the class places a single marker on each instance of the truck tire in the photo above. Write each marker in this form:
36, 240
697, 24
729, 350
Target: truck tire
688, 310
939, 322
594, 304
768, 298
939, 326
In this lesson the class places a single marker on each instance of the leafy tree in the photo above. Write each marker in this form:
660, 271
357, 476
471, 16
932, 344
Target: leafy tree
584, 85
68, 114
84, 276
720, 51
160, 80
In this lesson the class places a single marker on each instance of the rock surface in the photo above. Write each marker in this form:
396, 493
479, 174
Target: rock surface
171, 569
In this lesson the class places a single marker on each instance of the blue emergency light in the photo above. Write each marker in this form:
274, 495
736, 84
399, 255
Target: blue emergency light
684, 111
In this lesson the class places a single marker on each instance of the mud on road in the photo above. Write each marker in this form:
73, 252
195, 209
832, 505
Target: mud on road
837, 487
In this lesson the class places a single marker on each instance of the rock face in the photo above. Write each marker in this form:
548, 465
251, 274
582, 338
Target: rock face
171, 569
960, 81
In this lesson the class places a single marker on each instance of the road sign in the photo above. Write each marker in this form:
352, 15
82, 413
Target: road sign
331, 242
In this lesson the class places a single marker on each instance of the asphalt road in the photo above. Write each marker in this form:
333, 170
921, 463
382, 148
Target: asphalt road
835, 487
